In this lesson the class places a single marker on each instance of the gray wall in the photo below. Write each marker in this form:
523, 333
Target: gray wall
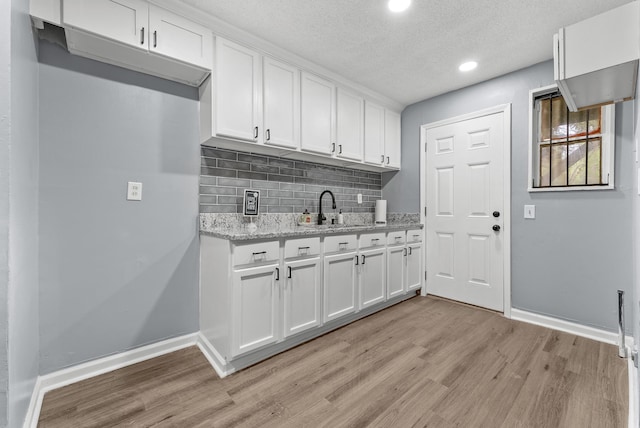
5, 163
569, 261
286, 186
23, 212
114, 274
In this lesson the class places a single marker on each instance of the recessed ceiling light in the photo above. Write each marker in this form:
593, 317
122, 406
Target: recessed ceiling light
468, 66
398, 5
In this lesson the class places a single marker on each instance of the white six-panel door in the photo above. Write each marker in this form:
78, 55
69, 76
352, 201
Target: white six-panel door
465, 203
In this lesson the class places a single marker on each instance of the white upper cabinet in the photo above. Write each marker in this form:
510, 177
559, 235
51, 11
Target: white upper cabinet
237, 91
176, 37
392, 139
125, 21
349, 125
317, 114
373, 133
281, 104
140, 36
596, 60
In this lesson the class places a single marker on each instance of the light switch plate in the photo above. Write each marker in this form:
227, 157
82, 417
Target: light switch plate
530, 211
134, 191
359, 198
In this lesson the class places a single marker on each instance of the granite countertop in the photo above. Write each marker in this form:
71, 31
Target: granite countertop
242, 234
284, 228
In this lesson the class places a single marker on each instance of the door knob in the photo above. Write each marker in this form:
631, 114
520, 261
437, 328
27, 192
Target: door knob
496, 214
496, 228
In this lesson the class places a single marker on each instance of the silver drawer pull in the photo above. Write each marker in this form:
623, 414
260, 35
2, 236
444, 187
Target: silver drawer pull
342, 245
260, 255
303, 250
397, 238
375, 239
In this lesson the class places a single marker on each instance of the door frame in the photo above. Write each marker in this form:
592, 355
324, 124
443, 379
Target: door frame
506, 154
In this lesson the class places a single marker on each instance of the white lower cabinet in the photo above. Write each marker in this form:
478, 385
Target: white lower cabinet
301, 295
395, 270
372, 276
255, 308
258, 296
414, 266
339, 285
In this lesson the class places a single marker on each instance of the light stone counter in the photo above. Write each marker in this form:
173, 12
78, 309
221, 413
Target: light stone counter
273, 226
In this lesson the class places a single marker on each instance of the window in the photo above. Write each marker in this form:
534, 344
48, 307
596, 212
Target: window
569, 150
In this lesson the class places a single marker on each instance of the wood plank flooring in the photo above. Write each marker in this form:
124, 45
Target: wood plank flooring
426, 362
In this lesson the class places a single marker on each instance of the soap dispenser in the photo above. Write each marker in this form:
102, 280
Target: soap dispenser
340, 217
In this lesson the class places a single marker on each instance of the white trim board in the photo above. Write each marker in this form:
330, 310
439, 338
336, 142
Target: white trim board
569, 327
506, 154
97, 367
634, 419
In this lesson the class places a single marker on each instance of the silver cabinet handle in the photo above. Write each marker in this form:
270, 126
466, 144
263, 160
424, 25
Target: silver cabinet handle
387, 160
155, 39
289, 276
268, 134
142, 36
333, 147
255, 133
340, 149
277, 274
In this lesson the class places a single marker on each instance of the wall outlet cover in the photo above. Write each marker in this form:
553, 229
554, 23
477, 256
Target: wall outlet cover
359, 198
134, 191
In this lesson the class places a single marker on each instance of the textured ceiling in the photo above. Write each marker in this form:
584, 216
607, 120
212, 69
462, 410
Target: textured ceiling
413, 55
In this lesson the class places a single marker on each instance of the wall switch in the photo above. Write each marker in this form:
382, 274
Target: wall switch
134, 191
359, 198
529, 211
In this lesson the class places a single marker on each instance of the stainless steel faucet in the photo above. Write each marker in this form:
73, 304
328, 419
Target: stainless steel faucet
321, 216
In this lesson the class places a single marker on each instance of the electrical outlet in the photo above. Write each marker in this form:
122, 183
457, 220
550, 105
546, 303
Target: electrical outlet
359, 198
530, 211
134, 191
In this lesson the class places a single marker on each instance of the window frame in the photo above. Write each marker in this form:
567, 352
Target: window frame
607, 145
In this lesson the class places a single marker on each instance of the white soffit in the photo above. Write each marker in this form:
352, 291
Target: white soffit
412, 55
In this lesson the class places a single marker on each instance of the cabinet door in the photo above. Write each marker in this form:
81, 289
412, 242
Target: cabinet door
414, 267
237, 91
125, 21
301, 296
373, 133
372, 277
392, 139
349, 125
281, 104
395, 271
339, 285
176, 37
254, 308
317, 115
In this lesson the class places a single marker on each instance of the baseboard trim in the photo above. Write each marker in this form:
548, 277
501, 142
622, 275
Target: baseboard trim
214, 358
634, 419
100, 366
569, 327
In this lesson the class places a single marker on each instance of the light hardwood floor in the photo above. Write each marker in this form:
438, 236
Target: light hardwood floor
424, 362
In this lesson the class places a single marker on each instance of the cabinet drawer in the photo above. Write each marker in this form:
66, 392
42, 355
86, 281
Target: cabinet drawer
396, 238
301, 247
256, 253
333, 244
414, 235
372, 240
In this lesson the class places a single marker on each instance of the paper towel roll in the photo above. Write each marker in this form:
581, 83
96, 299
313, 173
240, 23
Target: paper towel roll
381, 211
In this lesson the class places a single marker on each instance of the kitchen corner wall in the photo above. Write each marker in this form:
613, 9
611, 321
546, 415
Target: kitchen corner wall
286, 186
114, 274
569, 261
